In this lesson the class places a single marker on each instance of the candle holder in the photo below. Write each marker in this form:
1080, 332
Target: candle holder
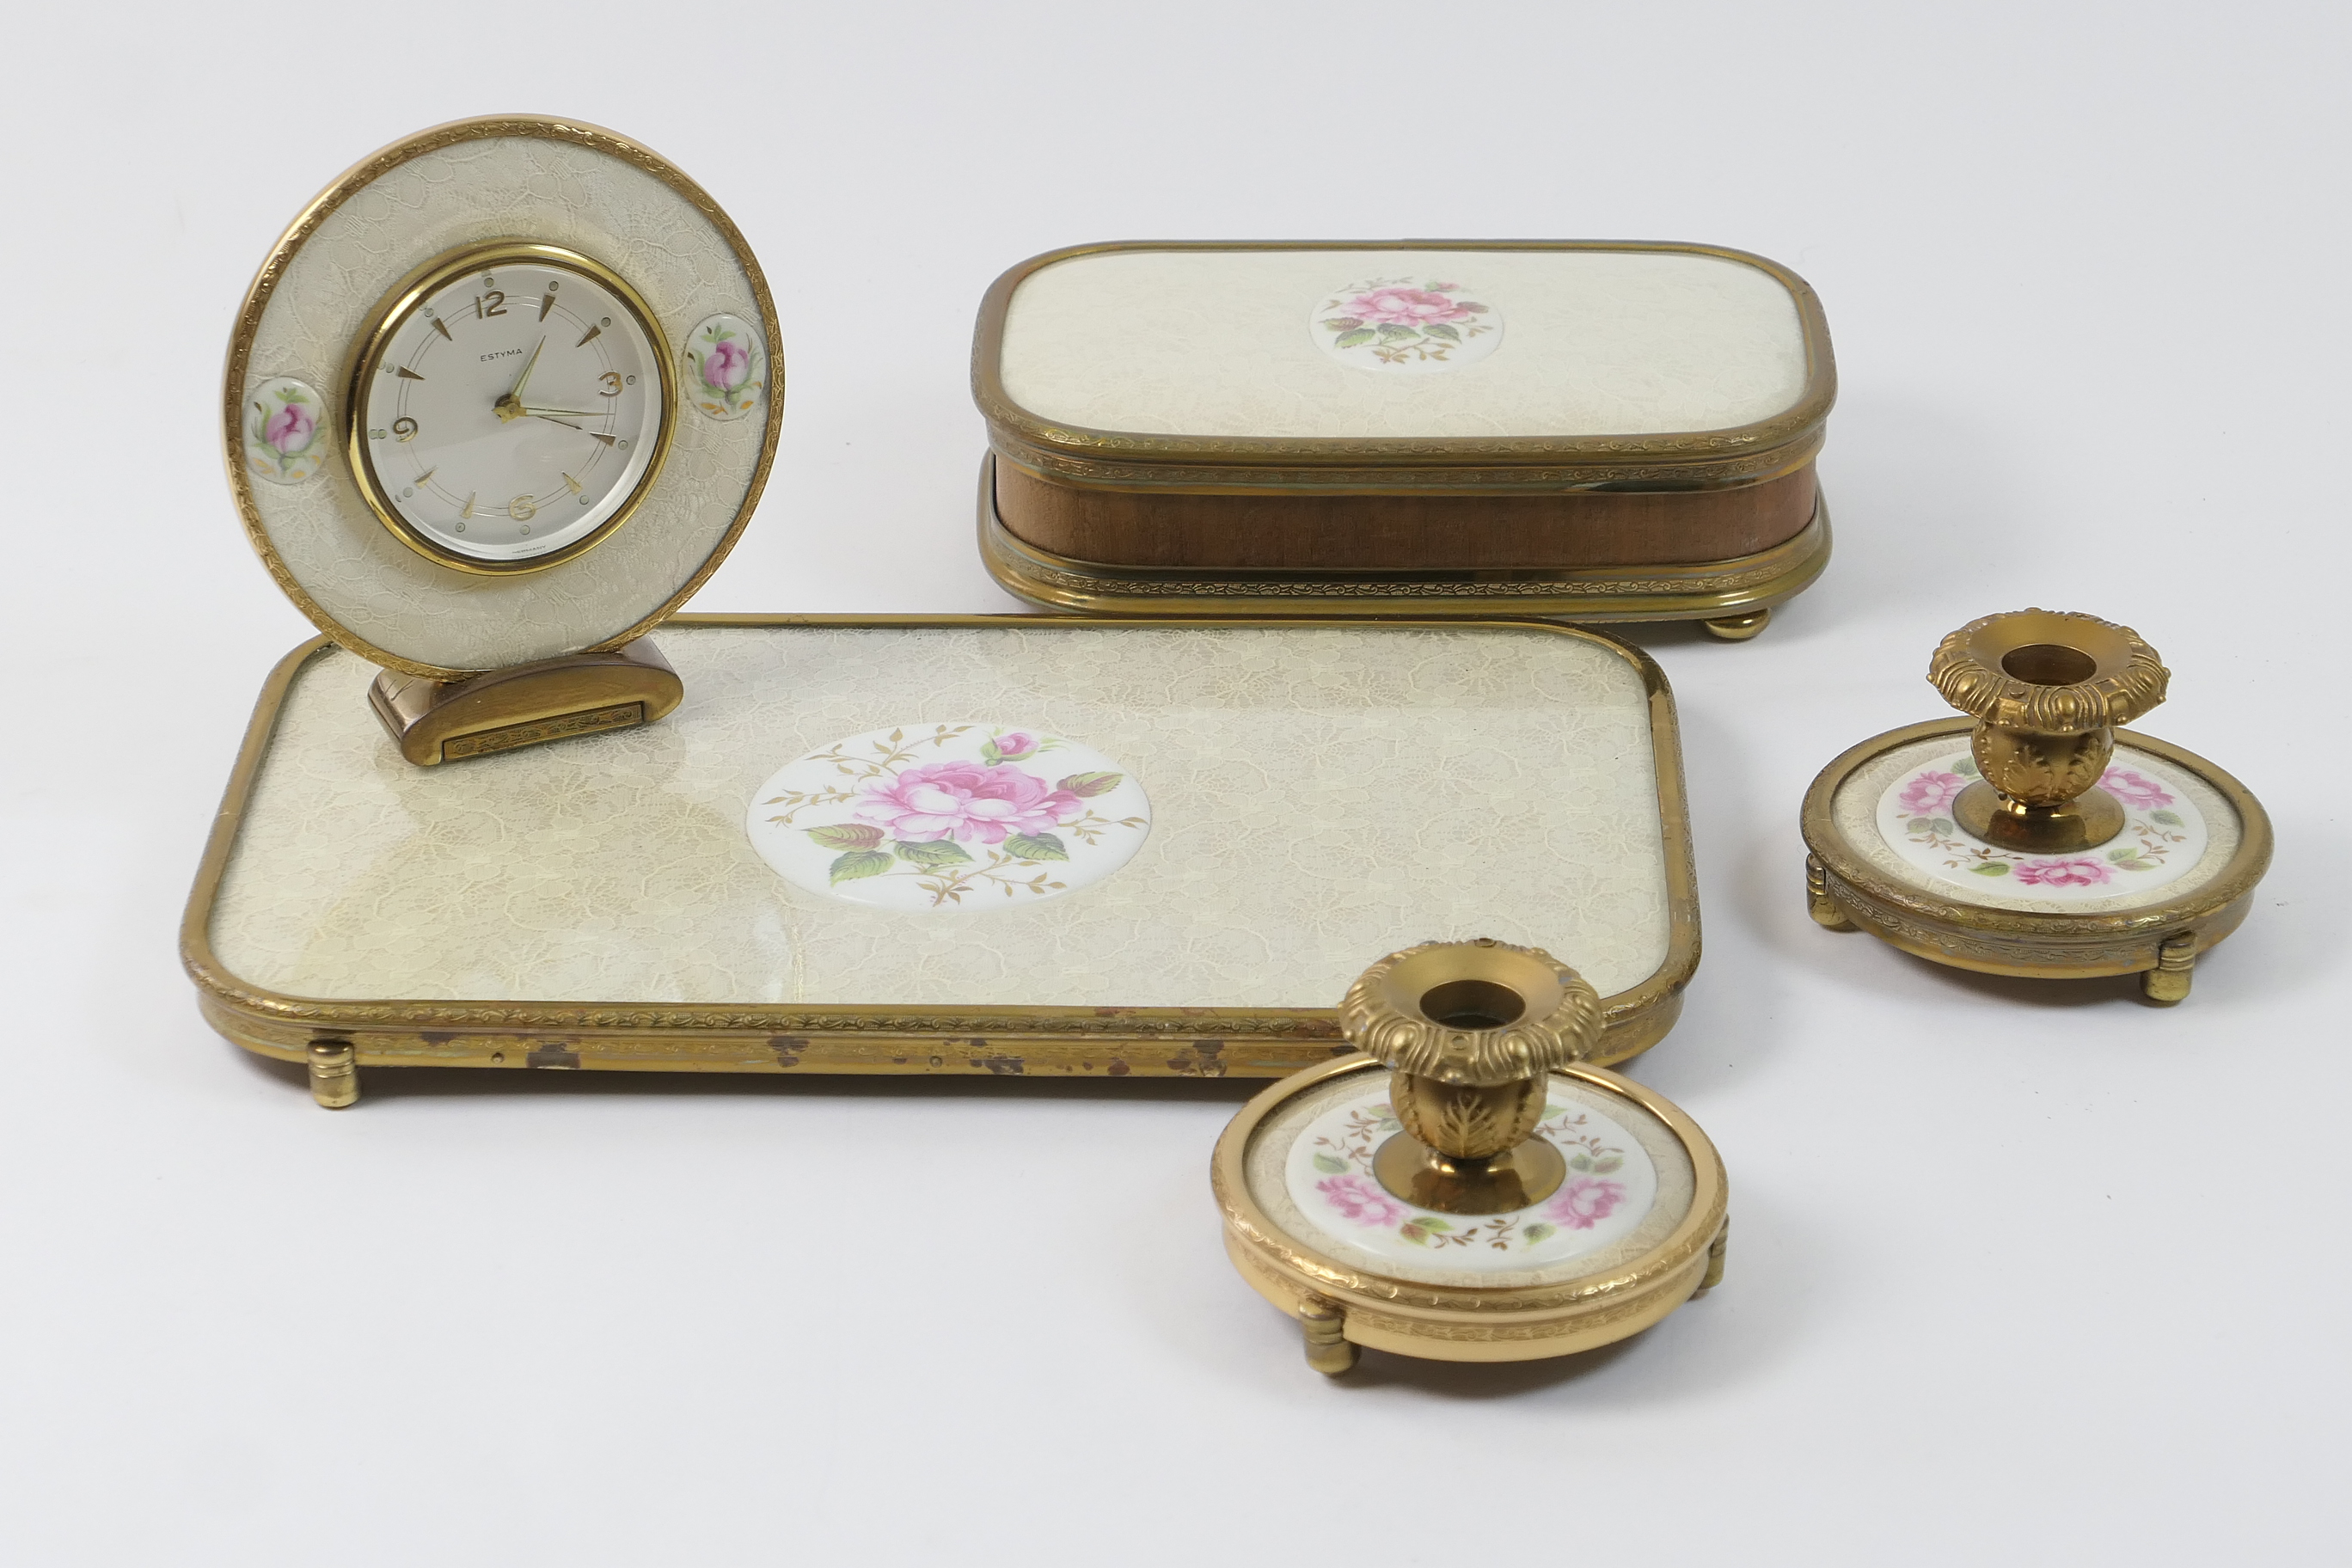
1466, 1186
2051, 843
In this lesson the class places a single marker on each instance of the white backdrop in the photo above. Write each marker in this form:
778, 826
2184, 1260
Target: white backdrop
2021, 1272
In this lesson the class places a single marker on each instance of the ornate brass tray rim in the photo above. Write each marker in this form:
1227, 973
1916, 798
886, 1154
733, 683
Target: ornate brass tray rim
2051, 932
358, 177
1306, 1269
1011, 422
1636, 1018
1748, 582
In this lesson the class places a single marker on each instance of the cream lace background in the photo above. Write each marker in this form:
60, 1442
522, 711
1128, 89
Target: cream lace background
1855, 810
1217, 343
1321, 796
500, 189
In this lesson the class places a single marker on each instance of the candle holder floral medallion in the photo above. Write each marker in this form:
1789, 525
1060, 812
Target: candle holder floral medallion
1464, 1185
2035, 836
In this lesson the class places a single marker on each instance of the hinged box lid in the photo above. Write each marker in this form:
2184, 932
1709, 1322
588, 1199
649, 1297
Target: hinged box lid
1477, 364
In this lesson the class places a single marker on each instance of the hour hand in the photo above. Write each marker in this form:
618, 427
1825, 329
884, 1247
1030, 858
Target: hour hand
509, 407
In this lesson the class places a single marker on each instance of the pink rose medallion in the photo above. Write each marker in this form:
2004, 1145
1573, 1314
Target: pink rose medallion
723, 368
285, 435
949, 817
1409, 326
2163, 837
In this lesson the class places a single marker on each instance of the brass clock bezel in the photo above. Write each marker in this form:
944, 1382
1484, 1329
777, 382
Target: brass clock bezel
396, 308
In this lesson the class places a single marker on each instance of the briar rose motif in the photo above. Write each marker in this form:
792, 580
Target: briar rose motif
1610, 1187
726, 367
2163, 835
286, 439
1410, 324
927, 816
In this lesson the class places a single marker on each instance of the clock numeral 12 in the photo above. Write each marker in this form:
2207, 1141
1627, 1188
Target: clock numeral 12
498, 303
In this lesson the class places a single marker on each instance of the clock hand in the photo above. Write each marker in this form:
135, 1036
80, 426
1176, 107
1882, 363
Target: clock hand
580, 413
567, 423
509, 407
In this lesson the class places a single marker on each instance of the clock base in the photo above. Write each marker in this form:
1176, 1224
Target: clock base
434, 721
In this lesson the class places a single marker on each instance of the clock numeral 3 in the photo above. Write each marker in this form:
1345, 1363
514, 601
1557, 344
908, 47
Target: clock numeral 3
403, 428
612, 380
497, 303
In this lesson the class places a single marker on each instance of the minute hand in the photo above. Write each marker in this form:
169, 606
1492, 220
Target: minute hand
509, 407
581, 413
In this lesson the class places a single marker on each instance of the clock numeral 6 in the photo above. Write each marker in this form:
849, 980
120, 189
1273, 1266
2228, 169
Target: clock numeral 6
404, 429
497, 306
612, 380
522, 509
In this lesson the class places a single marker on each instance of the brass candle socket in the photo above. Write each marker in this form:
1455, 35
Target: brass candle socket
1471, 1032
2047, 689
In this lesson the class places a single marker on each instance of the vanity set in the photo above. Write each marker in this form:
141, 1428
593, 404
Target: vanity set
1320, 533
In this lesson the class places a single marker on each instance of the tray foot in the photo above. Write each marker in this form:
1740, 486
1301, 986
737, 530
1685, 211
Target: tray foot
334, 1074
1325, 1324
1713, 1276
2168, 982
1736, 628
1818, 902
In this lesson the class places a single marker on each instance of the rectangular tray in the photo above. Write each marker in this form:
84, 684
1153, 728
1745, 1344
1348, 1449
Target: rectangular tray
1322, 795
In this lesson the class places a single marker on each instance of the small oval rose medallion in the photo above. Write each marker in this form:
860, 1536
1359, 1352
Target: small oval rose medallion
932, 816
1404, 326
2163, 837
286, 436
726, 367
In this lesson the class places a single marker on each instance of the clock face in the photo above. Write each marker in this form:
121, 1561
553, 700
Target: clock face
510, 408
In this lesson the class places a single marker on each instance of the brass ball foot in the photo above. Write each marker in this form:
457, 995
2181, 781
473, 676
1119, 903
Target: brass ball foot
1736, 628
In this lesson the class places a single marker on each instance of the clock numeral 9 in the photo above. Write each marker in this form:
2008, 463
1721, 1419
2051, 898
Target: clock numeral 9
403, 428
498, 303
612, 380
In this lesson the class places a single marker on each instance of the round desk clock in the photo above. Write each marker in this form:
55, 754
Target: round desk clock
499, 401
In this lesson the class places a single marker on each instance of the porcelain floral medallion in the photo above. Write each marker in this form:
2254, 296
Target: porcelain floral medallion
726, 367
1610, 1190
1404, 325
2163, 835
285, 435
960, 816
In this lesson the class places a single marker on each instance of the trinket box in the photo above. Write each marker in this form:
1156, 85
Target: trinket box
1469, 1187
1011, 845
2036, 838
1594, 430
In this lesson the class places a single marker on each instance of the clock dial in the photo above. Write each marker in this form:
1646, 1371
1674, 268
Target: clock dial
510, 408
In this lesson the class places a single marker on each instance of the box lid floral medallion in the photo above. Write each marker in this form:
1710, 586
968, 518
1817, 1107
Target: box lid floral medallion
949, 815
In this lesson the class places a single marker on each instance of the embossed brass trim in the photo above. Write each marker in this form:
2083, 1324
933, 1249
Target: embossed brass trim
1685, 459
1210, 1042
1462, 1322
1744, 586
1991, 940
358, 178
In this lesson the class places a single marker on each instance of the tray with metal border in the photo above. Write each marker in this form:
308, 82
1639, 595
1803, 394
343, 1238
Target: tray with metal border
1009, 844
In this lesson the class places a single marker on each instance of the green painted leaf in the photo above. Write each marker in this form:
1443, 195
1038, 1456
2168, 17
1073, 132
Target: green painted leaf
2128, 852
1440, 330
1035, 847
1472, 306
941, 852
1431, 1222
1939, 825
859, 863
1580, 1163
2170, 819
1536, 1232
846, 836
1990, 867
1343, 323
1413, 1233
1965, 767
2136, 864
1326, 1163
1355, 338
1087, 786
1395, 334
1607, 1164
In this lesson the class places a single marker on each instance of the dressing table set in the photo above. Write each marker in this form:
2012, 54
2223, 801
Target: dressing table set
1313, 769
